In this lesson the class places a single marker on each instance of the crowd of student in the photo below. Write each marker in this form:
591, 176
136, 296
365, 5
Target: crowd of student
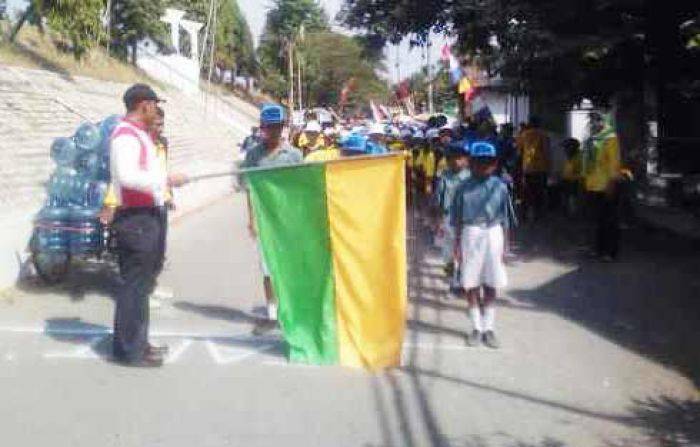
469, 183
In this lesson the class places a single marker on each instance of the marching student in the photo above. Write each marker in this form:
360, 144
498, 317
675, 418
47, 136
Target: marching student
450, 179
272, 151
480, 215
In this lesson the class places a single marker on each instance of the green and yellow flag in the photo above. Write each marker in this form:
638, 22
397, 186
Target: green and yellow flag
334, 238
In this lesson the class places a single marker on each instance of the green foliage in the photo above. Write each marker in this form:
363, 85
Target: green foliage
573, 48
330, 60
234, 41
78, 21
134, 20
284, 22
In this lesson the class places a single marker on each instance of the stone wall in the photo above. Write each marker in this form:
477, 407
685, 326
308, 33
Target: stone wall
37, 106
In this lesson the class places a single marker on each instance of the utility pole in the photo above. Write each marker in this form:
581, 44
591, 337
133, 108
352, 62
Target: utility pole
299, 92
431, 108
290, 56
398, 66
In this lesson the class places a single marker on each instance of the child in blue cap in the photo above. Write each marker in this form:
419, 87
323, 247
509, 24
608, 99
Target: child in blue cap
480, 215
353, 145
271, 151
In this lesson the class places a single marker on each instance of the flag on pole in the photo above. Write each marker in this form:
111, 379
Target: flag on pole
454, 66
334, 238
377, 115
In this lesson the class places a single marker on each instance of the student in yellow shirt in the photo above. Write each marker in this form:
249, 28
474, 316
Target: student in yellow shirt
533, 146
311, 139
571, 176
602, 172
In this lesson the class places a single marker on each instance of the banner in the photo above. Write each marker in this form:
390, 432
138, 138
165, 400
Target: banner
334, 238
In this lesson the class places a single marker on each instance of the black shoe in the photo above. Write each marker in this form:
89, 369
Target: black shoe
474, 339
158, 350
263, 327
490, 340
149, 360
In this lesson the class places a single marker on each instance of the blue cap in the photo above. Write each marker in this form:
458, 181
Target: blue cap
271, 114
354, 143
482, 149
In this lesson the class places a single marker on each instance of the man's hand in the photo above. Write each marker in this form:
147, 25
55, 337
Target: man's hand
177, 180
107, 215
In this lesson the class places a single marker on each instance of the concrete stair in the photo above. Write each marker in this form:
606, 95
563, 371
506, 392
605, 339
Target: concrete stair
38, 106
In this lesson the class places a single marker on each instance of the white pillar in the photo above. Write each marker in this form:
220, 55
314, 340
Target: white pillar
192, 28
173, 17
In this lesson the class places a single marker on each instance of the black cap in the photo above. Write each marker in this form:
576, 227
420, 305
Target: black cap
137, 93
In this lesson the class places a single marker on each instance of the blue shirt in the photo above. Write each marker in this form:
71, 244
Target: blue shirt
258, 157
448, 183
480, 201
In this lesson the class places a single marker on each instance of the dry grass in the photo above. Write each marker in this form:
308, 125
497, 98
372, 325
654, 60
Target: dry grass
42, 51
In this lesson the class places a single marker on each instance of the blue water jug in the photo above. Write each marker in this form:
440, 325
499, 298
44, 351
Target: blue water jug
108, 124
51, 230
64, 151
86, 235
79, 190
89, 164
88, 137
60, 185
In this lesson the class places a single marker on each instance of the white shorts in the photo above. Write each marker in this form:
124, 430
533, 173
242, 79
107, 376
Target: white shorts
263, 264
482, 257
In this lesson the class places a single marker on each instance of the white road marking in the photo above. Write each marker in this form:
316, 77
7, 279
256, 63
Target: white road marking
226, 355
244, 337
176, 353
85, 351
10, 357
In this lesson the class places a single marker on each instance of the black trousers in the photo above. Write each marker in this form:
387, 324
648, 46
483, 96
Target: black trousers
162, 237
138, 233
535, 194
606, 212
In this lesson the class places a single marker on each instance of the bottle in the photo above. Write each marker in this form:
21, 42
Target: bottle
61, 182
64, 151
88, 137
107, 127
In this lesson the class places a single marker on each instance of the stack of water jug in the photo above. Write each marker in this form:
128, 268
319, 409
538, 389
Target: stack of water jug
69, 221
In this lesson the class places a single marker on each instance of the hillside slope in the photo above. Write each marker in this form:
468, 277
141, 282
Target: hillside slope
37, 106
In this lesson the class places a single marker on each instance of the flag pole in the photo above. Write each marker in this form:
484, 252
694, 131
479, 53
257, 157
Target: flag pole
235, 172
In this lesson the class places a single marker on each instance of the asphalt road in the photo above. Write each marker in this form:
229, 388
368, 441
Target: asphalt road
578, 366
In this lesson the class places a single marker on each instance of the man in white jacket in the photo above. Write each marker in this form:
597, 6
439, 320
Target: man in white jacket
140, 183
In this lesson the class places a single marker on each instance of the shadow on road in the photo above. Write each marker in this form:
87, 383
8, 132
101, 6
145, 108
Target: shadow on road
647, 302
217, 312
82, 280
88, 337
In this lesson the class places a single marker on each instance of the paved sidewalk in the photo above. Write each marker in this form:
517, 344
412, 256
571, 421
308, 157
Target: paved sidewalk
593, 355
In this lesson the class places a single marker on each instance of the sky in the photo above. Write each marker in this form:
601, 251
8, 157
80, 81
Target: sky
410, 59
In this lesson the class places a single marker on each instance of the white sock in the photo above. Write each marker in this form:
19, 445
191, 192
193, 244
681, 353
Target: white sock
272, 311
475, 315
489, 317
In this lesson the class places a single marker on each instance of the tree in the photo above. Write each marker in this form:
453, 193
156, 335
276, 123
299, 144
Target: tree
133, 21
561, 50
330, 61
284, 23
234, 48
